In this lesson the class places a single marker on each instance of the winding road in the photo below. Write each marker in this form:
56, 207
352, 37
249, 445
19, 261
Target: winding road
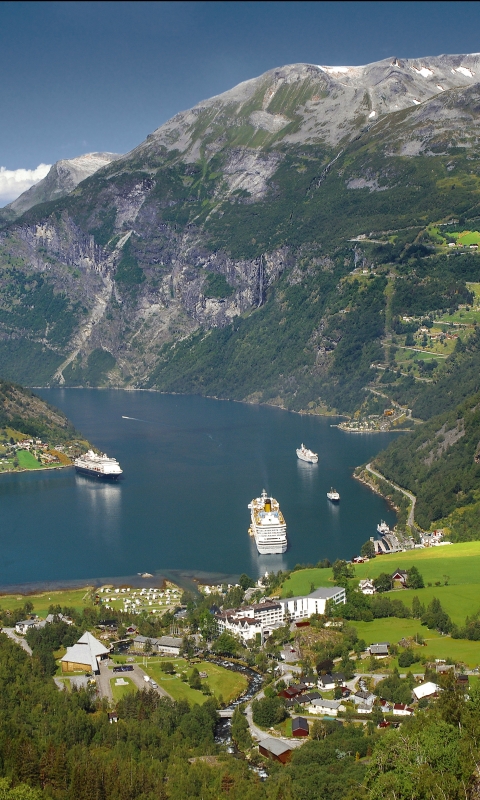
411, 497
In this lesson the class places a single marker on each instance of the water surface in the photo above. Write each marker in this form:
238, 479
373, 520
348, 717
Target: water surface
191, 467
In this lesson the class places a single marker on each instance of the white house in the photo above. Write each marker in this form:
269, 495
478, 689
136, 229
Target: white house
327, 707
313, 603
367, 586
401, 710
428, 689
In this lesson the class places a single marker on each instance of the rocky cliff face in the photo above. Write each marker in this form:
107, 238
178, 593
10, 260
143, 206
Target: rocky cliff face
194, 228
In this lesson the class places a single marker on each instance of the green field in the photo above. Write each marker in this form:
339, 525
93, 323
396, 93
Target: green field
73, 598
461, 562
120, 691
467, 237
301, 582
27, 460
221, 681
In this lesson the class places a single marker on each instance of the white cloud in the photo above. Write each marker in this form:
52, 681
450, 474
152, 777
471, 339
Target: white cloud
13, 182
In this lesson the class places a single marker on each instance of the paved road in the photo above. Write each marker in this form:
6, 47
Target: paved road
411, 497
18, 639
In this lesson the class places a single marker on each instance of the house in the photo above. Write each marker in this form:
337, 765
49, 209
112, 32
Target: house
367, 586
275, 749
293, 691
112, 717
169, 644
326, 707
84, 656
26, 625
400, 576
401, 710
314, 603
428, 689
305, 699
379, 650
327, 682
363, 698
363, 708
300, 727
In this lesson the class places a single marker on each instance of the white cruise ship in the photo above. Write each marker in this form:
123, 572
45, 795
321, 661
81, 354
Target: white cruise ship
333, 496
304, 454
98, 466
268, 525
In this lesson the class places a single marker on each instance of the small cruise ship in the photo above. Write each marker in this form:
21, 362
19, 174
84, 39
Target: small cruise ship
383, 528
333, 496
268, 525
98, 466
304, 454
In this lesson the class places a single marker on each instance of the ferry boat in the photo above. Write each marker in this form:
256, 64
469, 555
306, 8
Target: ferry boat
98, 466
304, 454
333, 496
383, 528
268, 525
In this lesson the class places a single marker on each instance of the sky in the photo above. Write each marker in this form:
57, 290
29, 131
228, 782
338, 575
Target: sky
80, 77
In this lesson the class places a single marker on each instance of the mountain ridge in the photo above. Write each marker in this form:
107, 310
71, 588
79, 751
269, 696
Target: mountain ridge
213, 219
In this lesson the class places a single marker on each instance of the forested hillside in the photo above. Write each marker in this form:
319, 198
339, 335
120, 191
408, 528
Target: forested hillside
23, 411
60, 745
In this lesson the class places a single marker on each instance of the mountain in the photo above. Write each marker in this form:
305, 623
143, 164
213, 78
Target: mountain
262, 245
62, 177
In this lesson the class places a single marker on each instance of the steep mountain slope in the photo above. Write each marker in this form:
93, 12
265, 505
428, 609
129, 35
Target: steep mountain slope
217, 256
29, 414
62, 177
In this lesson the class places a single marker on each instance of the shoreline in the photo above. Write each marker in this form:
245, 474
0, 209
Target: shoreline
36, 469
188, 580
185, 394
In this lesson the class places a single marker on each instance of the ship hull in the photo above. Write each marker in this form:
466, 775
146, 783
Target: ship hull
266, 549
91, 473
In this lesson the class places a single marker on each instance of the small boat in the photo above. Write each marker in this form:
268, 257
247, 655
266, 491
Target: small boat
304, 454
333, 496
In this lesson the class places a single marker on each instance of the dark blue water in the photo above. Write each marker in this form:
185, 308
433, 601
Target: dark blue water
191, 467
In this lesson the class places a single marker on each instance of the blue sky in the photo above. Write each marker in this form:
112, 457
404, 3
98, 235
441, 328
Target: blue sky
84, 76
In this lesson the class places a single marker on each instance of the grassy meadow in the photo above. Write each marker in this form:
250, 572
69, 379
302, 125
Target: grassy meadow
453, 572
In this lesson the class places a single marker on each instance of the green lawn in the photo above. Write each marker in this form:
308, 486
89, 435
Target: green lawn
461, 562
73, 598
301, 582
437, 646
27, 460
468, 237
120, 691
221, 681
391, 630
